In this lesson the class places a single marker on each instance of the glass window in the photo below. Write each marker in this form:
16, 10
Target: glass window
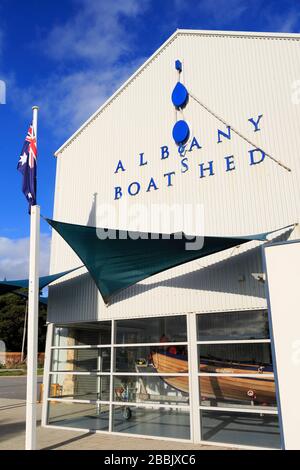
79, 415
81, 360
249, 429
243, 392
233, 325
151, 330
79, 387
173, 423
154, 389
249, 358
153, 359
82, 334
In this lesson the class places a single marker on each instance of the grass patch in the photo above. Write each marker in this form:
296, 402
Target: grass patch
8, 372
15, 373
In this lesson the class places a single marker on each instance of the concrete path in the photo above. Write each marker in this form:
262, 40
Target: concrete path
12, 435
15, 387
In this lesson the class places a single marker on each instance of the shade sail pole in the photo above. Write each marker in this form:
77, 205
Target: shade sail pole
33, 314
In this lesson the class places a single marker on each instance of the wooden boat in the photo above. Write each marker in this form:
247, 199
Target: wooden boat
260, 390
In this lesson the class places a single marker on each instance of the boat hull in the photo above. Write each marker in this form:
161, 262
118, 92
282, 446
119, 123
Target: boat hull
260, 390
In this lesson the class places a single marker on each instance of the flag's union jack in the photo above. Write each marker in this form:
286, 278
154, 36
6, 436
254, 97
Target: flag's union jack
27, 166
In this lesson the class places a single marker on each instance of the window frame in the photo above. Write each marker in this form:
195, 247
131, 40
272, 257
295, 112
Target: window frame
258, 410
113, 346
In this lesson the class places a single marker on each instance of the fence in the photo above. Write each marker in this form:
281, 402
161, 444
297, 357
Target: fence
14, 358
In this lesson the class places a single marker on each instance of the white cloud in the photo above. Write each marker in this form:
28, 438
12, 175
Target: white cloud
96, 32
95, 50
67, 100
91, 53
14, 257
286, 22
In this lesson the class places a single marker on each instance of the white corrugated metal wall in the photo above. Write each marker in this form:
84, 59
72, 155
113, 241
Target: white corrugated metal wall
238, 76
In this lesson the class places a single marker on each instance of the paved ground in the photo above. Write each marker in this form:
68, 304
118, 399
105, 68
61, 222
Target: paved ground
15, 387
12, 435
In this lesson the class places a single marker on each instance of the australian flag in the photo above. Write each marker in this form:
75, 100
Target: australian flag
27, 166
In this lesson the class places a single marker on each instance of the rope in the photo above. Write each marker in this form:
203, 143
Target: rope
237, 132
294, 225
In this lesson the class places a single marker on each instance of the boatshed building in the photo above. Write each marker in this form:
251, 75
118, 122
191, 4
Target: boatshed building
169, 338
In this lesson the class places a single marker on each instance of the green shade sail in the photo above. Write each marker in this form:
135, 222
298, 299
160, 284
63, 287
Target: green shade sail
118, 263
6, 288
11, 286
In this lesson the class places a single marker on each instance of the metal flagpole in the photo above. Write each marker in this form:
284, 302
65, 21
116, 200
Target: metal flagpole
32, 322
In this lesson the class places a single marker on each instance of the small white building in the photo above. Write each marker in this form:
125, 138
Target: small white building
184, 354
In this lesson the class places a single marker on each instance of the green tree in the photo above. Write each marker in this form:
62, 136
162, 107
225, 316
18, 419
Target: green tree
12, 313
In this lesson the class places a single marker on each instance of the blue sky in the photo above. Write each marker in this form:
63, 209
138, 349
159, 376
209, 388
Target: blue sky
68, 56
